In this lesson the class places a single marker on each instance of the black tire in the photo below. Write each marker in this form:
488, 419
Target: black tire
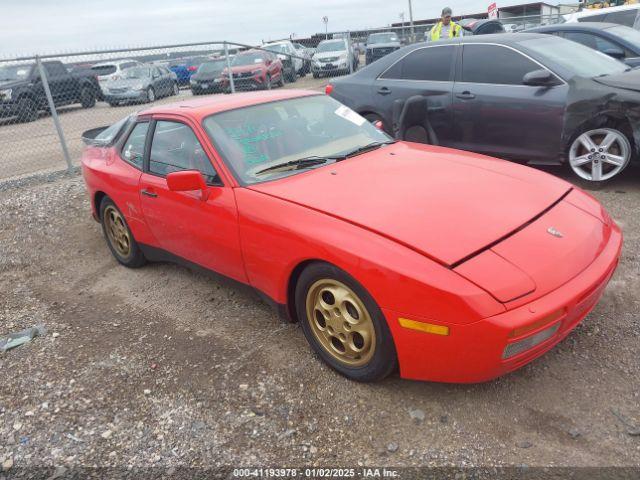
175, 89
87, 97
267, 82
150, 95
112, 104
316, 75
135, 258
292, 75
384, 359
27, 110
282, 80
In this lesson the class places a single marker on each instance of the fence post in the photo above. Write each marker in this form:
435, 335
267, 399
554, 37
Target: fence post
54, 113
351, 52
226, 54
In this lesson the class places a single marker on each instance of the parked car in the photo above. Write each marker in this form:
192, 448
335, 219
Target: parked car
332, 57
292, 63
617, 41
626, 15
446, 265
474, 26
306, 54
254, 70
22, 92
185, 67
112, 70
381, 44
527, 97
142, 84
208, 78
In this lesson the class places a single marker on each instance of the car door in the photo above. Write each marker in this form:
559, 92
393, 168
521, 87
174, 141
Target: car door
204, 232
496, 114
63, 88
426, 71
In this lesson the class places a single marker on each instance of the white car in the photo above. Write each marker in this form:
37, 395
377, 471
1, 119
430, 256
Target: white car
108, 71
292, 64
627, 15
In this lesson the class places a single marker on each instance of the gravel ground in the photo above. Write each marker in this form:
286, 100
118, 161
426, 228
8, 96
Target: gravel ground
165, 367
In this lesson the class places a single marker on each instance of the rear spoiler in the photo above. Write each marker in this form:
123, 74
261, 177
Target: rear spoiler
89, 137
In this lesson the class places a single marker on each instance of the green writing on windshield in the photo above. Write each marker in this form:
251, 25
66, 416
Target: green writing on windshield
250, 137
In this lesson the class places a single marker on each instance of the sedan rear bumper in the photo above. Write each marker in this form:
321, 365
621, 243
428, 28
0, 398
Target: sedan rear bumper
474, 352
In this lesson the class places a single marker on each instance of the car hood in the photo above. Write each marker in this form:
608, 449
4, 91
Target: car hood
247, 68
383, 45
627, 80
443, 203
129, 83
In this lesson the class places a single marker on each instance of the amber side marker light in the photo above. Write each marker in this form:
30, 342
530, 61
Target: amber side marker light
552, 317
423, 327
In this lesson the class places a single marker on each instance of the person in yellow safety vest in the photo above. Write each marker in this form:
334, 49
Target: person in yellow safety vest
445, 28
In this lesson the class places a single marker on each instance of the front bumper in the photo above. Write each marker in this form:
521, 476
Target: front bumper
473, 353
123, 97
8, 109
329, 67
246, 83
206, 87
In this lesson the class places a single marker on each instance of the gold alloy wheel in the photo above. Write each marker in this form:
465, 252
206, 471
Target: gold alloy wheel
117, 231
340, 322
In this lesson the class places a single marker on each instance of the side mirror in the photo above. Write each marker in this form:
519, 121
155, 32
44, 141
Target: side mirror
539, 78
614, 52
187, 181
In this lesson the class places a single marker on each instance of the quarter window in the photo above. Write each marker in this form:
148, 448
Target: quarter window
592, 41
431, 64
175, 147
133, 149
495, 64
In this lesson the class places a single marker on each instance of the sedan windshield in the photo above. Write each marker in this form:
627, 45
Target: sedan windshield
136, 73
574, 57
331, 46
247, 59
277, 48
14, 72
273, 140
212, 67
382, 38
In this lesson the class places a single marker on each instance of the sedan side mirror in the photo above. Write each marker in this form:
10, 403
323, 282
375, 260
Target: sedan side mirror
615, 53
187, 181
539, 78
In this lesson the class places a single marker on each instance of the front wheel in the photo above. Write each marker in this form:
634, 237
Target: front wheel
600, 154
175, 89
267, 82
119, 238
27, 110
150, 95
343, 324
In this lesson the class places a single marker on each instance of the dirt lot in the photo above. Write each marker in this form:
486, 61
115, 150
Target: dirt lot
163, 366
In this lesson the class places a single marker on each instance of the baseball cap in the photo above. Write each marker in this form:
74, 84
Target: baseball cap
446, 12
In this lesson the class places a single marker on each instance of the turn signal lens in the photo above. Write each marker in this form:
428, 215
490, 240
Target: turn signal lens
552, 317
529, 342
424, 327
328, 89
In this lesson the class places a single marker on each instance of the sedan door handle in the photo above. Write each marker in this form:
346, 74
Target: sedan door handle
148, 193
384, 90
466, 95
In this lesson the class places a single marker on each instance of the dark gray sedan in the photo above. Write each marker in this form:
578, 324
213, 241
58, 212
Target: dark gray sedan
528, 97
141, 84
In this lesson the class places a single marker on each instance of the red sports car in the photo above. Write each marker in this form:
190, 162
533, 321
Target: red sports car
450, 266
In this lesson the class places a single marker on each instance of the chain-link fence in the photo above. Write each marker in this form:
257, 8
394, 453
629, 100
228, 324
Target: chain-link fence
47, 102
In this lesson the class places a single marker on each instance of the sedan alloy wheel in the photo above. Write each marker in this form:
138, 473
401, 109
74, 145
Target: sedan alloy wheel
600, 154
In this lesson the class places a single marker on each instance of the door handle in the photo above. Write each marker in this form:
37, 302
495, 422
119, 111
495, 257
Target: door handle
384, 90
466, 95
148, 193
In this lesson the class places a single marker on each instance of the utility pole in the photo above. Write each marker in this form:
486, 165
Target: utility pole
402, 19
411, 21
325, 19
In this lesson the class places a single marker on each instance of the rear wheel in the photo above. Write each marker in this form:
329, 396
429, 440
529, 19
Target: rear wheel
343, 323
119, 238
600, 154
87, 97
316, 75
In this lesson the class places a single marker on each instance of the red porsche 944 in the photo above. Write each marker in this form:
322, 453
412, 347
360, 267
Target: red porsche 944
446, 265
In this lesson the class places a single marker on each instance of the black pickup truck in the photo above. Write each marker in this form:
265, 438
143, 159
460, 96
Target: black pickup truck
22, 93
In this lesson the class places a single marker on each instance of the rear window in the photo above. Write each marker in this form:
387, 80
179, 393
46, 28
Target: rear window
104, 69
111, 134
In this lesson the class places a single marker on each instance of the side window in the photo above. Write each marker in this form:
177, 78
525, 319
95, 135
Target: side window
494, 64
625, 17
133, 148
156, 72
174, 148
431, 63
55, 69
586, 39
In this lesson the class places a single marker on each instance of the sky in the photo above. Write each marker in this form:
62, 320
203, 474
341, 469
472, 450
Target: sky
62, 26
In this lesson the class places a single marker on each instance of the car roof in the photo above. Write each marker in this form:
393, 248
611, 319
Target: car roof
575, 26
499, 38
199, 108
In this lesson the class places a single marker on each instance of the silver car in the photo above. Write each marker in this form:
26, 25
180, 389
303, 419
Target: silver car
142, 84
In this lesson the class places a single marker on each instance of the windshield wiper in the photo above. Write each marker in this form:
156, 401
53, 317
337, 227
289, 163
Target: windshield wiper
366, 148
299, 163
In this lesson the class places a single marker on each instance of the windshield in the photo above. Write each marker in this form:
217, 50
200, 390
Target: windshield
137, 72
278, 48
14, 72
382, 38
212, 67
255, 138
332, 46
578, 59
104, 69
631, 35
247, 59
